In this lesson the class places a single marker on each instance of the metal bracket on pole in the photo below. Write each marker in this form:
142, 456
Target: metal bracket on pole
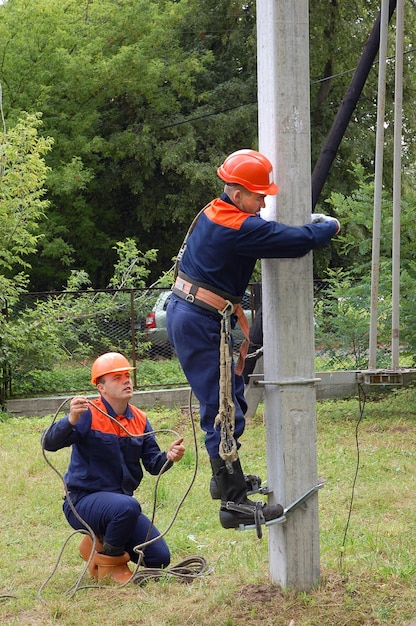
306, 495
382, 377
301, 500
283, 383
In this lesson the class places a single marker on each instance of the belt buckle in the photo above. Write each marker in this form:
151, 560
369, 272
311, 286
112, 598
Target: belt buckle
190, 297
227, 310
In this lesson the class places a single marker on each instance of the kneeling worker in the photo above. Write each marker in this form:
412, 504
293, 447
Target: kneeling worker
110, 445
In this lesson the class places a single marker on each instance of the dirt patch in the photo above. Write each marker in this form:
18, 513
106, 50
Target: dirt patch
259, 593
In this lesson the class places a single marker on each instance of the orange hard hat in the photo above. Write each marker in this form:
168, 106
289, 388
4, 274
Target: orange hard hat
250, 169
109, 363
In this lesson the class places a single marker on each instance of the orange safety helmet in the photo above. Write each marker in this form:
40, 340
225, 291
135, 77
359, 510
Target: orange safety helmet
108, 363
250, 169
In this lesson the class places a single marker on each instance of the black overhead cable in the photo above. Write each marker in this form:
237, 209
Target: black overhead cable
251, 102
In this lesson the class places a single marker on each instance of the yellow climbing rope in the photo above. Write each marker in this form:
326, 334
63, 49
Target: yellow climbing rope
226, 413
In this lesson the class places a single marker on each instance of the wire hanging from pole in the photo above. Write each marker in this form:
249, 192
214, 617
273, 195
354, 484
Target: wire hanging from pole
361, 399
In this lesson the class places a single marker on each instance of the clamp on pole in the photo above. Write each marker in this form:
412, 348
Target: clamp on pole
301, 500
283, 383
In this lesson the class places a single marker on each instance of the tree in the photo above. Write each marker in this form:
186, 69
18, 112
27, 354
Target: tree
77, 323
339, 32
22, 205
117, 73
22, 176
144, 99
117, 94
349, 287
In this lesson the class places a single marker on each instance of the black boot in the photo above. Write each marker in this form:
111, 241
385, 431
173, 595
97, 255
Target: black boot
236, 508
253, 484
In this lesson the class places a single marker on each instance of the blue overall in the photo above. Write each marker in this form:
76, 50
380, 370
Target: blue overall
221, 252
104, 471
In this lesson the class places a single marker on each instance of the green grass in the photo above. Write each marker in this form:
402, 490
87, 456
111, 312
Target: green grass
373, 584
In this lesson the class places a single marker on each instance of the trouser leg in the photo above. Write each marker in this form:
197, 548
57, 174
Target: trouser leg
118, 519
196, 335
196, 338
157, 553
112, 516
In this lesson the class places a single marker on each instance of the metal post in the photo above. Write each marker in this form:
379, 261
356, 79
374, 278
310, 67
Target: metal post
398, 103
378, 184
284, 136
133, 336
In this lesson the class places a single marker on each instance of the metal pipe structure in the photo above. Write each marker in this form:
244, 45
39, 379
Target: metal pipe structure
346, 109
398, 105
378, 184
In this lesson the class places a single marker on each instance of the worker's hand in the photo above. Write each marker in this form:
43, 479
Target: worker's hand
77, 407
176, 451
321, 217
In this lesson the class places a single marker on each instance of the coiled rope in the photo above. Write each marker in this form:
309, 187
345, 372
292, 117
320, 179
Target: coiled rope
186, 571
226, 412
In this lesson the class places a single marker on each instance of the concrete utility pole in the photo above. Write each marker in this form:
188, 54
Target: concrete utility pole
290, 399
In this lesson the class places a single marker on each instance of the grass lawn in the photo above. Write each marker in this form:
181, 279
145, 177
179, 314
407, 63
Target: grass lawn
374, 583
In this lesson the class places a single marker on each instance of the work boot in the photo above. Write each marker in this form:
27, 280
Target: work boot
253, 484
85, 548
113, 567
236, 508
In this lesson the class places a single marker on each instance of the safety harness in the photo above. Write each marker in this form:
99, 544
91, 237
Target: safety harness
224, 304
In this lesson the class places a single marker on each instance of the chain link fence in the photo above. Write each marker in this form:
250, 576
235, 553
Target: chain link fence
53, 337
50, 339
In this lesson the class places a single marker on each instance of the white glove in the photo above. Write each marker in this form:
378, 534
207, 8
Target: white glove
316, 218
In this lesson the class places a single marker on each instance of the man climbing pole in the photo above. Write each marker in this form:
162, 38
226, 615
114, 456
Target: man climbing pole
213, 270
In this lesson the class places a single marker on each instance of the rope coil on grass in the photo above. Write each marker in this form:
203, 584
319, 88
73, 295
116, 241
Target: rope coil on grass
186, 571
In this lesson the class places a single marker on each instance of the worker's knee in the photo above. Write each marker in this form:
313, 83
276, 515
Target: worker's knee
128, 508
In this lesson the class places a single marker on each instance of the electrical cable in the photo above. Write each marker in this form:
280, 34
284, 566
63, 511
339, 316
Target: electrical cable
361, 400
68, 497
253, 102
190, 568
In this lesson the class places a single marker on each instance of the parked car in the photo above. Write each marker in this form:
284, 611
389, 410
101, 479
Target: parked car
155, 325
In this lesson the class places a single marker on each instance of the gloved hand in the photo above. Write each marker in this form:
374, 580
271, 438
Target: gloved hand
321, 217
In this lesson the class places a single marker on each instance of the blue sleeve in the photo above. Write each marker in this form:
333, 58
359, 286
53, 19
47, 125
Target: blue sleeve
63, 434
153, 458
263, 239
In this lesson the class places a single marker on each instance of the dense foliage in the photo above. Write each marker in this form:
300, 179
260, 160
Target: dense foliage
115, 117
22, 203
144, 98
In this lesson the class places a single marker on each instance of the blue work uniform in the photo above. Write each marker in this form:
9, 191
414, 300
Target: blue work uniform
221, 252
105, 469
